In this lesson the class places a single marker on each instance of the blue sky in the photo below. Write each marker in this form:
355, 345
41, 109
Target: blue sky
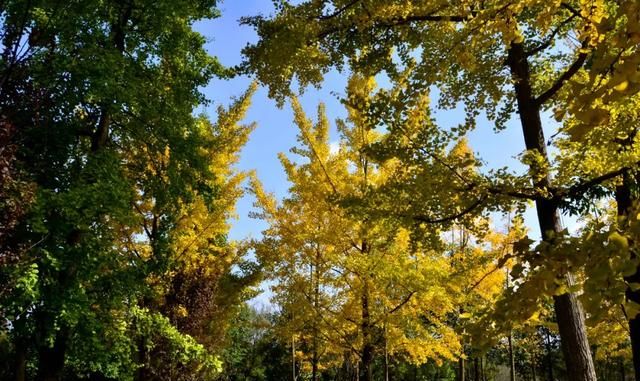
275, 130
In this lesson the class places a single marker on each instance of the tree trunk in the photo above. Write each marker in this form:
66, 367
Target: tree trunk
461, 369
20, 364
569, 314
315, 278
549, 358
367, 344
51, 359
483, 374
367, 347
386, 354
512, 360
293, 358
141, 372
624, 201
476, 370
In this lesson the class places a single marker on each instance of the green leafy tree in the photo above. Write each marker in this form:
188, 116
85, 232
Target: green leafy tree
101, 96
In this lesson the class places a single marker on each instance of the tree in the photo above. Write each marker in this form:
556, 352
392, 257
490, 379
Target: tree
498, 57
355, 283
101, 97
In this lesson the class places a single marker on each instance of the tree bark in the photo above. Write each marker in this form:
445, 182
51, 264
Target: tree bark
549, 357
512, 360
366, 327
386, 354
20, 362
367, 347
624, 201
315, 280
461, 369
293, 358
483, 373
569, 313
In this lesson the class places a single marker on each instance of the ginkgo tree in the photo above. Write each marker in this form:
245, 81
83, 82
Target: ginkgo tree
506, 59
193, 285
362, 282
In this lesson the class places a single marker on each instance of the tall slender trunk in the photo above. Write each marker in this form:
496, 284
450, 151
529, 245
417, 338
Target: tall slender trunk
512, 359
461, 369
20, 362
476, 370
624, 201
533, 368
386, 354
366, 327
141, 373
293, 357
367, 346
549, 357
569, 313
315, 278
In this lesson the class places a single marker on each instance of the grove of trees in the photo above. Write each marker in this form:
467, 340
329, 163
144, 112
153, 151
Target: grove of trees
398, 253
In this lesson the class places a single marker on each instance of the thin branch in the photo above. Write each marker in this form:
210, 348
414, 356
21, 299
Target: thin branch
514, 194
144, 221
468, 209
584, 186
397, 22
338, 12
429, 17
571, 9
396, 308
324, 168
550, 39
570, 72
503, 261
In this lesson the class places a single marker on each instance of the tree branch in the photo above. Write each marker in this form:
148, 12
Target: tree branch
542, 46
514, 194
584, 186
468, 209
571, 9
571, 70
338, 12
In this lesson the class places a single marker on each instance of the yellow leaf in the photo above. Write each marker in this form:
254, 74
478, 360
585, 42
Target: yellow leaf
622, 86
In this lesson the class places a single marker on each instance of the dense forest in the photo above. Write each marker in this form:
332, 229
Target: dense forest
397, 253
